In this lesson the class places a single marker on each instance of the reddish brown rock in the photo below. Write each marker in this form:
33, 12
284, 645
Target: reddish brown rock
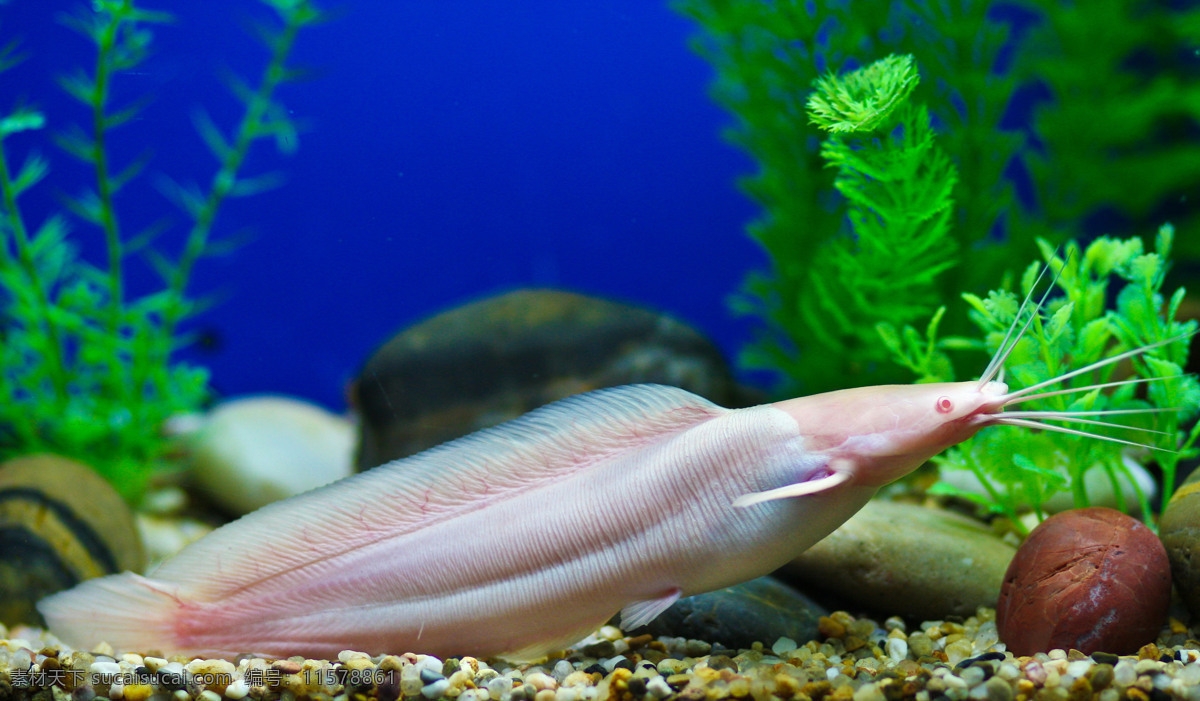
1091, 579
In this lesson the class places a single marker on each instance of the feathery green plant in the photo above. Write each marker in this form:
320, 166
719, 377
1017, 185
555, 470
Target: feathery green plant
1019, 469
896, 183
85, 369
1123, 86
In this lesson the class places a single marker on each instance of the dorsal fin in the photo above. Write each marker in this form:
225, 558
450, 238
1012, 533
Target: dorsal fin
543, 446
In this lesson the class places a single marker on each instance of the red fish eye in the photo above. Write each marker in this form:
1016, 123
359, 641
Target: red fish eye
944, 405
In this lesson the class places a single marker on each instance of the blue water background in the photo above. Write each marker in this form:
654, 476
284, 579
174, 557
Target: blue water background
451, 149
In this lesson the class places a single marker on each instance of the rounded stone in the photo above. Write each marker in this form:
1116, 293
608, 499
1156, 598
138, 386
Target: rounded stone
904, 559
1179, 530
1091, 580
492, 360
60, 523
251, 451
761, 610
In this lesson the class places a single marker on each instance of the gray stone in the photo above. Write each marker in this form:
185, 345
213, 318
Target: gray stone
762, 610
490, 361
903, 559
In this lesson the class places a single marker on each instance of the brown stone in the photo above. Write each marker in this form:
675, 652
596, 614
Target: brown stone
1094, 579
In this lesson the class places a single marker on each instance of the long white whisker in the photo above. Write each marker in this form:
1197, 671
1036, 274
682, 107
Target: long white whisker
1063, 429
1088, 368
1078, 420
1093, 412
1005, 348
1088, 388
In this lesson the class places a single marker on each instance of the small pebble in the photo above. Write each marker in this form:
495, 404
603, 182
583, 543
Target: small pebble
498, 686
237, 690
783, 646
436, 689
659, 688
961, 664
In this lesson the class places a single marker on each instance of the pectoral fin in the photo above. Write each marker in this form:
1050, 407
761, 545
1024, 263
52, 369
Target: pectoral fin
639, 613
799, 489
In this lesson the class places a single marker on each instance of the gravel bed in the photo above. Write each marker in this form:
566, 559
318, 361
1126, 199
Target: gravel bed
857, 659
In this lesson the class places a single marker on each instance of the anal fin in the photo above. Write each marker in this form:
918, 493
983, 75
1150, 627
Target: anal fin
639, 613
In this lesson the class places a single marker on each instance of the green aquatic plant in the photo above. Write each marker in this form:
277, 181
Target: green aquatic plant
1020, 470
1122, 89
86, 369
765, 54
896, 183
1118, 128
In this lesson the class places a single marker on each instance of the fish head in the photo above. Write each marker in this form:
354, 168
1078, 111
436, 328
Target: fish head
879, 434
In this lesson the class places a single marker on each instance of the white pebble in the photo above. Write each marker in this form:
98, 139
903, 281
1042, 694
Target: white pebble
429, 662
1078, 668
1190, 675
1057, 654
565, 694
436, 689
561, 669
208, 695
1147, 666
21, 659
897, 649
611, 663
979, 692
182, 695
173, 668
783, 646
105, 668
237, 690
1008, 671
954, 682
539, 681
1123, 673
610, 633
659, 688
498, 686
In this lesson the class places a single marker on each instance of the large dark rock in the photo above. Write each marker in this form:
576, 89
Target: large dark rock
762, 610
493, 360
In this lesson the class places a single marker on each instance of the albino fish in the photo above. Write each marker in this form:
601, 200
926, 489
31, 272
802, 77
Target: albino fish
524, 538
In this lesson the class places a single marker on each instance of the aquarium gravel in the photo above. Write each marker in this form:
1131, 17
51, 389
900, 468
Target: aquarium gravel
857, 659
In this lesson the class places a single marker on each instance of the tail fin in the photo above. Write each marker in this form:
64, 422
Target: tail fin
127, 610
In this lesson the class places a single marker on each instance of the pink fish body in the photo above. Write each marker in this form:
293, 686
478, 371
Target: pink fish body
517, 540
524, 538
